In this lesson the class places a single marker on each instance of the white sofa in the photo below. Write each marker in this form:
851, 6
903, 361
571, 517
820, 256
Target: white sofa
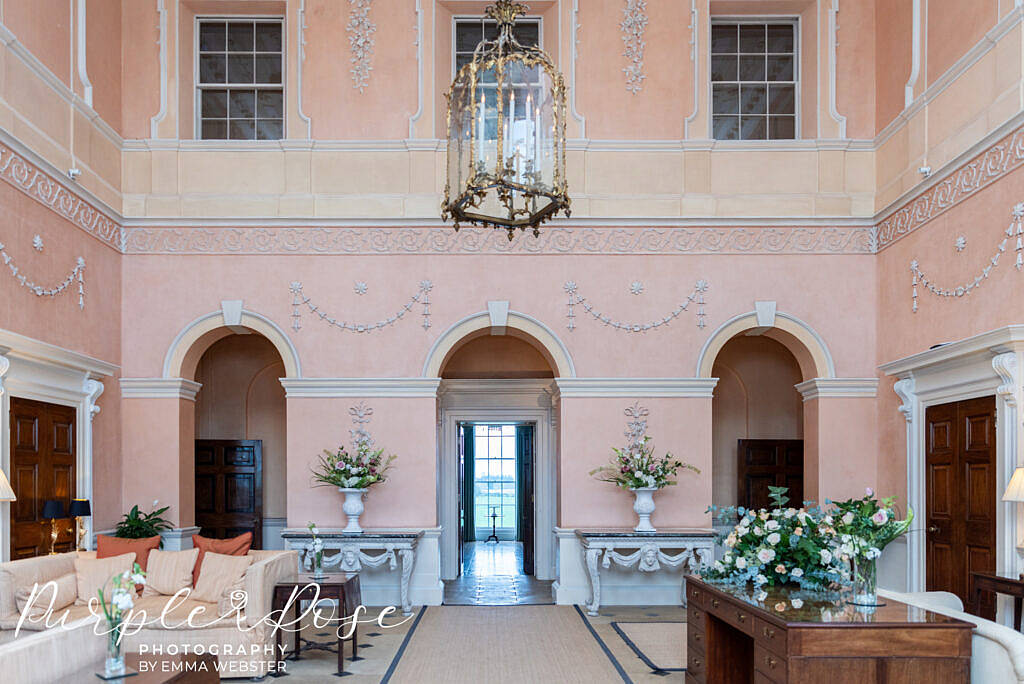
997, 652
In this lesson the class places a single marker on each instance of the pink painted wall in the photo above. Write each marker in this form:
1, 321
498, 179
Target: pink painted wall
44, 28
496, 356
104, 58
894, 28
140, 67
953, 28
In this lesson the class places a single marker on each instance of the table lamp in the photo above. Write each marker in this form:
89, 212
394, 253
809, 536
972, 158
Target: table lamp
53, 511
1015, 490
6, 493
79, 509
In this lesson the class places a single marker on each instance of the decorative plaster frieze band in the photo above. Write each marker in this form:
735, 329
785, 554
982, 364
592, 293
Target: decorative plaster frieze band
159, 388
554, 240
817, 388
360, 387
636, 387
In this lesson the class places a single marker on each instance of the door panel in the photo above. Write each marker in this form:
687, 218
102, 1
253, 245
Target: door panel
229, 488
769, 462
42, 468
960, 498
525, 459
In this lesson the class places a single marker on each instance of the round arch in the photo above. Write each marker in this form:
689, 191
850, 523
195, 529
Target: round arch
802, 340
196, 337
518, 325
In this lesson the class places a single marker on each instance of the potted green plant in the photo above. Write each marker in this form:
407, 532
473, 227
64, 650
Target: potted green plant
138, 525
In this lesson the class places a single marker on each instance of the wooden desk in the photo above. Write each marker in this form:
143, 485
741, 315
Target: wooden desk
341, 587
734, 639
999, 584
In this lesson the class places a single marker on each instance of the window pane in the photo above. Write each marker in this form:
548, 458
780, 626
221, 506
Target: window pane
490, 31
242, 129
780, 68
269, 129
268, 104
753, 128
268, 68
753, 99
723, 68
752, 68
467, 36
212, 69
215, 129
212, 37
723, 38
215, 103
752, 37
726, 127
726, 99
240, 69
268, 37
527, 33
243, 104
240, 37
782, 99
782, 127
780, 38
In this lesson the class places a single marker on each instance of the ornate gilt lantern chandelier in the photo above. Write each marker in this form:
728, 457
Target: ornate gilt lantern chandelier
506, 134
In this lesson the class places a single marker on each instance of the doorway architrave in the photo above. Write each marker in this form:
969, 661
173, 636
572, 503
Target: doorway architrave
988, 364
519, 401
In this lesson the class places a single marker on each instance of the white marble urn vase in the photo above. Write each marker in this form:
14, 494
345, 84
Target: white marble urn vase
353, 508
644, 506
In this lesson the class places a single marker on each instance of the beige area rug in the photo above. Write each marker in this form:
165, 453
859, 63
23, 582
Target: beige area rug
503, 644
661, 645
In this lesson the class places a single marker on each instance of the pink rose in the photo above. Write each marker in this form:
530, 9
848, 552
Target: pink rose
870, 491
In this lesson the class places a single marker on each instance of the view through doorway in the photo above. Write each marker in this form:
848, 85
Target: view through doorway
496, 521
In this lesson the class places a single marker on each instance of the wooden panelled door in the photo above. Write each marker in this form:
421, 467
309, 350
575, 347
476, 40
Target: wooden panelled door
769, 462
229, 488
42, 467
525, 505
960, 497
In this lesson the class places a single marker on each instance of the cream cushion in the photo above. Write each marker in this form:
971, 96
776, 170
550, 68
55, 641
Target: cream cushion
168, 572
93, 574
66, 587
219, 574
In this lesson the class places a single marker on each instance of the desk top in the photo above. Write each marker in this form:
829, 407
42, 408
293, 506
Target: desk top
681, 532
368, 535
793, 606
328, 578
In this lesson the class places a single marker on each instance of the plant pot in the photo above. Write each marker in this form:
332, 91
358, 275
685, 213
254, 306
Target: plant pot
644, 506
353, 508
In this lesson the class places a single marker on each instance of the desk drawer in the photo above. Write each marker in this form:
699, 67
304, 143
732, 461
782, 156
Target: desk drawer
770, 636
769, 664
735, 614
695, 618
695, 640
696, 667
694, 595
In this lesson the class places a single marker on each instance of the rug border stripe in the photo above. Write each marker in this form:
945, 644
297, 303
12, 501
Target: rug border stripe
401, 649
636, 649
604, 646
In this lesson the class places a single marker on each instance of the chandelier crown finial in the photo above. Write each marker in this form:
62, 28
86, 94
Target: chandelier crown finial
505, 11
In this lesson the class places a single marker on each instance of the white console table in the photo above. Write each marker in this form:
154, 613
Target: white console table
372, 548
692, 549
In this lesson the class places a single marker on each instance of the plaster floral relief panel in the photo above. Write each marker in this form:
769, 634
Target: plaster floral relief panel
634, 26
361, 42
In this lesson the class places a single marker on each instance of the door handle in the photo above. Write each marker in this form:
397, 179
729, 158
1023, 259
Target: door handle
933, 529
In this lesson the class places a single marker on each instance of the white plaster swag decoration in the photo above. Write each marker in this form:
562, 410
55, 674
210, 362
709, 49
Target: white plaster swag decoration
575, 299
961, 243
37, 243
361, 41
77, 274
1016, 230
299, 299
634, 25
636, 287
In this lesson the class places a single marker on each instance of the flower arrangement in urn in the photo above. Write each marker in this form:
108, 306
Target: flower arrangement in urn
353, 473
638, 469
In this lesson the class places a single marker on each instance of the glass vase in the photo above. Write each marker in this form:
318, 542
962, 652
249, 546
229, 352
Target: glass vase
114, 663
318, 565
864, 573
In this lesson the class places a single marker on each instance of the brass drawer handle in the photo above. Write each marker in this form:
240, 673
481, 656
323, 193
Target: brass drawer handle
770, 662
741, 617
769, 633
696, 662
714, 603
696, 636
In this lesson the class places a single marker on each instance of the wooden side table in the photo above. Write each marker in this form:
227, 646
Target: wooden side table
342, 587
189, 668
999, 584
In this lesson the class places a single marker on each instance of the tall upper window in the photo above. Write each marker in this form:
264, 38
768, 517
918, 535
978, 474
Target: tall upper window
754, 80
239, 79
469, 33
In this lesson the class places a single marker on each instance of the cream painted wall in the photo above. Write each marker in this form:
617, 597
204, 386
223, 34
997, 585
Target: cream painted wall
242, 398
755, 398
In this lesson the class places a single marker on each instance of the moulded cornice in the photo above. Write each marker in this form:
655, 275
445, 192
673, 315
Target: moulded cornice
1000, 340
19, 346
159, 388
360, 387
818, 388
636, 387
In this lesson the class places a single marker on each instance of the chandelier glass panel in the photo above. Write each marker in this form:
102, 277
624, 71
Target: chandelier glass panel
506, 134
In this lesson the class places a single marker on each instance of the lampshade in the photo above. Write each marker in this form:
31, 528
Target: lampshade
1015, 490
79, 508
53, 509
6, 493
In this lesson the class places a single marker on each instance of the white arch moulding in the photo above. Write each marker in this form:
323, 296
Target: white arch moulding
815, 359
476, 324
178, 354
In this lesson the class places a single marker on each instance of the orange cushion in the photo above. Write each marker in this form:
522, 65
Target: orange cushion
236, 546
108, 547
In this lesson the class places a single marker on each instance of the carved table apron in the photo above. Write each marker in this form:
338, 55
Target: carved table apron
372, 548
647, 551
